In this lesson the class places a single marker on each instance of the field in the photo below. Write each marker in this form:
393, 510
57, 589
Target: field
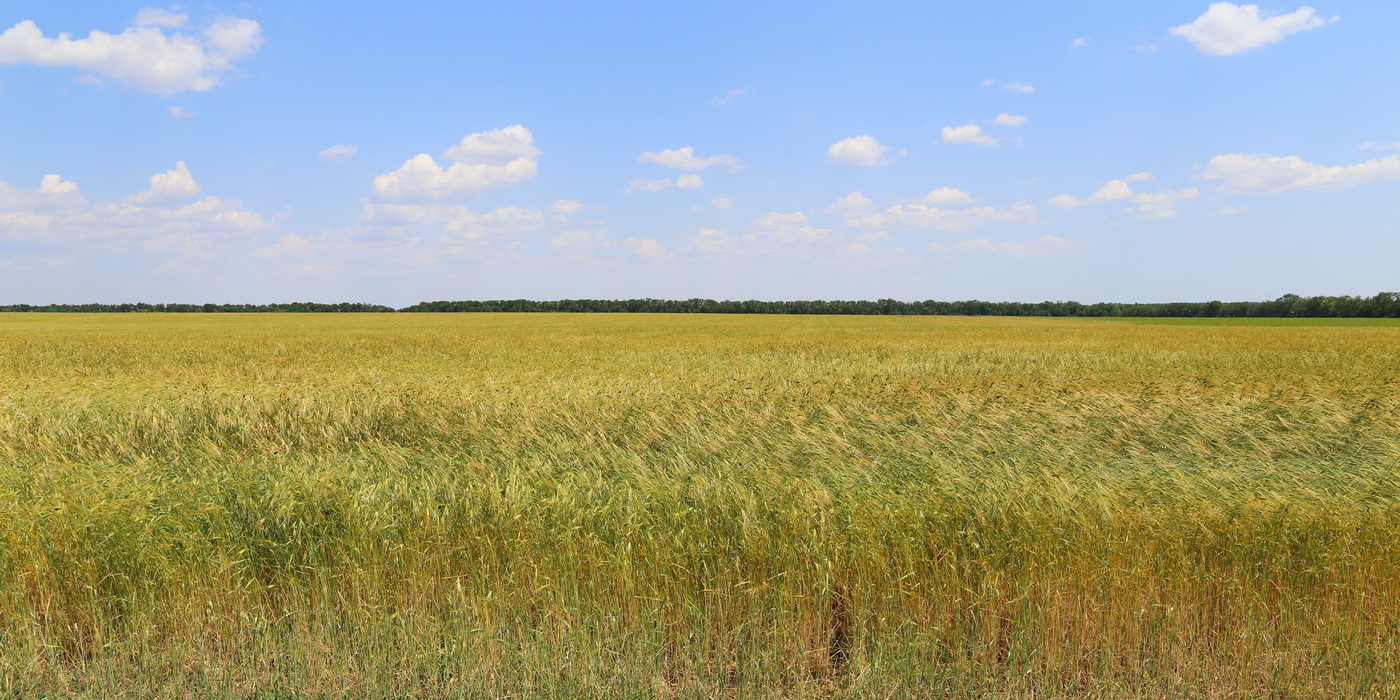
461, 505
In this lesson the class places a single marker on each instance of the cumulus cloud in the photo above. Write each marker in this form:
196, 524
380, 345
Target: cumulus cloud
1040, 247
481, 161
860, 212
858, 152
1228, 211
1227, 29
685, 159
1144, 48
168, 187
923, 217
1111, 191
339, 153
177, 112
644, 247
643, 184
776, 234
1378, 146
1159, 205
144, 56
852, 205
567, 207
968, 133
56, 214
948, 195
579, 239
1258, 173
787, 227
721, 202
1079, 43
1005, 119
500, 147
1019, 87
689, 182
157, 17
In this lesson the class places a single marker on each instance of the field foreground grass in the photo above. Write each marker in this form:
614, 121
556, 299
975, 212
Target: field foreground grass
695, 506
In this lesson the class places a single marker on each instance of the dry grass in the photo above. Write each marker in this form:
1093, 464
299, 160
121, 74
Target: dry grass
695, 506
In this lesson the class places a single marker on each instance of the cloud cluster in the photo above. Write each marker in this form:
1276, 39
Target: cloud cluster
1245, 173
56, 215
143, 56
1037, 248
931, 213
1227, 29
1157, 205
481, 161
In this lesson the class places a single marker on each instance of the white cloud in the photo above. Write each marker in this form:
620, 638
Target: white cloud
1019, 87
858, 152
57, 215
776, 234
53, 184
1227, 29
948, 195
177, 112
1144, 48
852, 205
579, 239
156, 17
860, 212
1005, 119
288, 245
143, 57
1139, 177
1243, 173
506, 221
339, 152
721, 202
1160, 205
989, 82
1112, 190
1228, 211
460, 225
481, 161
643, 184
922, 217
567, 207
728, 97
1040, 247
685, 159
168, 187
1079, 43
1378, 146
968, 133
500, 147
645, 247
689, 182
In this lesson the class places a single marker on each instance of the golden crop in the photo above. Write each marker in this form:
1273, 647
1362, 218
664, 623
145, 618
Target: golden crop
690, 506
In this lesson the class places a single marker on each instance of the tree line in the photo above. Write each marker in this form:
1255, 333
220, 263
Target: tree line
1383, 305
294, 307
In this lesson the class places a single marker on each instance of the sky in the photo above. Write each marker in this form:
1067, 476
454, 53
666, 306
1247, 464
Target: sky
401, 152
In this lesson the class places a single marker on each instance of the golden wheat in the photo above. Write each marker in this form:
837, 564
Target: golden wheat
691, 506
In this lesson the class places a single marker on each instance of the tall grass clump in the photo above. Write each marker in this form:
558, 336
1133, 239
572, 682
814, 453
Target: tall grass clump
698, 506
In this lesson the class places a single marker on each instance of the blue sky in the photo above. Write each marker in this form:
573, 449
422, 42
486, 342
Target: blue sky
401, 152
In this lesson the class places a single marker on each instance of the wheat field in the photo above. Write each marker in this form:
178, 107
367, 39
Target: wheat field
639, 506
